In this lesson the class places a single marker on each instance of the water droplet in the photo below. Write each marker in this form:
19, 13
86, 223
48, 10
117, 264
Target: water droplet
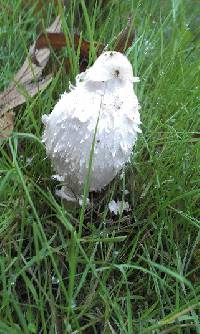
73, 304
54, 280
115, 253
13, 280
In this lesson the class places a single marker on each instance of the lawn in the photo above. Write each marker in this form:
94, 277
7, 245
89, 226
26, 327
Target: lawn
71, 270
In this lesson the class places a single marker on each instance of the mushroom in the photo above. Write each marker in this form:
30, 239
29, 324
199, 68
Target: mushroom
103, 98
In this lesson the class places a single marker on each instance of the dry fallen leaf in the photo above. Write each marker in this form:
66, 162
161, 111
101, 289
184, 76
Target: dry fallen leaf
196, 137
6, 125
57, 40
28, 81
125, 38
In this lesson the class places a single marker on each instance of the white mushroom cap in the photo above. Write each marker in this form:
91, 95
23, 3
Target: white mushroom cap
110, 65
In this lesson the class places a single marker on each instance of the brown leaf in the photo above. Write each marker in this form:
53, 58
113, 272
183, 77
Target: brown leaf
125, 37
58, 40
6, 125
195, 137
28, 80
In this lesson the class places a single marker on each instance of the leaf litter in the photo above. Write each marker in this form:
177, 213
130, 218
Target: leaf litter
29, 80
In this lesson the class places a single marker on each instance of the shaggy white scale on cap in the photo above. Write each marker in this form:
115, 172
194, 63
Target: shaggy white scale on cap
104, 91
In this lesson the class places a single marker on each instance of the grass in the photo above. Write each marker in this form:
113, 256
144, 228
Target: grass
91, 272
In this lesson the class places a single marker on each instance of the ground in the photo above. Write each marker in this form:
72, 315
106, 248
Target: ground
66, 270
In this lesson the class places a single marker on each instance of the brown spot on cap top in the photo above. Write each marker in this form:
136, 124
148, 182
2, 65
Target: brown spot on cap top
116, 73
